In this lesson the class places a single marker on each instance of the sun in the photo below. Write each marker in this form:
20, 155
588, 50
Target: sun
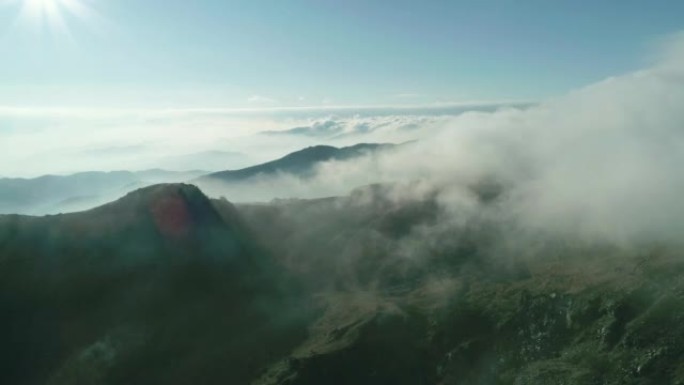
53, 15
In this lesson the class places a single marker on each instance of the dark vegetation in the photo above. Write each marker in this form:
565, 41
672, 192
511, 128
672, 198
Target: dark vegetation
167, 286
158, 287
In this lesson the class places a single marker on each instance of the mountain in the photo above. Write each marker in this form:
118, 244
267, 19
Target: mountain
382, 286
52, 194
408, 298
160, 286
301, 163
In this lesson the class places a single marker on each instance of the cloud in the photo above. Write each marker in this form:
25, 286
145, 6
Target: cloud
325, 128
36, 141
389, 128
600, 163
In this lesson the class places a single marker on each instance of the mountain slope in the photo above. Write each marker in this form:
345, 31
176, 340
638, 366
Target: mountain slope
409, 299
160, 286
300, 163
379, 287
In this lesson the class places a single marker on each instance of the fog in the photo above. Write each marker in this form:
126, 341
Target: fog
601, 162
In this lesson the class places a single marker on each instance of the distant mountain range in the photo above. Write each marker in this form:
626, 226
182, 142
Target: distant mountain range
52, 194
66, 193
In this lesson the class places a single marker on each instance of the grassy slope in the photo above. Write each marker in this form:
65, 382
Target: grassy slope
579, 315
166, 286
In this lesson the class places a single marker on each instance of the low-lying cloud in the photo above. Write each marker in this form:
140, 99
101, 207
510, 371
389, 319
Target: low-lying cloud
602, 162
44, 141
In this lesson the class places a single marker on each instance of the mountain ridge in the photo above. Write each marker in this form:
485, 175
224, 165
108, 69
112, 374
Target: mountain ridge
46, 194
299, 163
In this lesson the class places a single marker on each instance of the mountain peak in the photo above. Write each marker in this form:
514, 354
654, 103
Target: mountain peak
176, 209
300, 163
162, 190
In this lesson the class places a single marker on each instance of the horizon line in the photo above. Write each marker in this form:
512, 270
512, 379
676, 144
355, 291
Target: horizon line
84, 110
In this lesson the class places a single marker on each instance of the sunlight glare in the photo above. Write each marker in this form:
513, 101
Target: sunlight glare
54, 14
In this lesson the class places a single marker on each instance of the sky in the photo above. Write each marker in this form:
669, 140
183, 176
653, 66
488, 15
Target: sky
136, 84
274, 53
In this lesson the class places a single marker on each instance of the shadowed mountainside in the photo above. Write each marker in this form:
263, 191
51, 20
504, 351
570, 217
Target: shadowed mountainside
157, 287
408, 298
167, 286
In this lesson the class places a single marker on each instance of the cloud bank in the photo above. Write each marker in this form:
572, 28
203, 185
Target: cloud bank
602, 162
42, 141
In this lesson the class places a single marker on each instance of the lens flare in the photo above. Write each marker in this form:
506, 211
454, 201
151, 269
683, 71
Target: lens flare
52, 15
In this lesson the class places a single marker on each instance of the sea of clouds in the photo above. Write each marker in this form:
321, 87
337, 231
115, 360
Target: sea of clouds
601, 162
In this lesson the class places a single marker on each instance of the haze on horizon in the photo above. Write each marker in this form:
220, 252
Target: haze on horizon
108, 85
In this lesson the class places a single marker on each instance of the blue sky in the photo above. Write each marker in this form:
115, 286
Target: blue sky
234, 53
